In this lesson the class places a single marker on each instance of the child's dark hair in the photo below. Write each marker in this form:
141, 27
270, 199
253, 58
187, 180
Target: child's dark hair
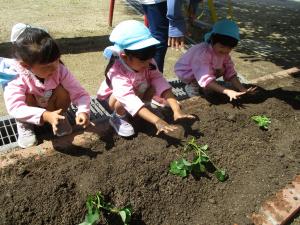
141, 54
224, 40
35, 46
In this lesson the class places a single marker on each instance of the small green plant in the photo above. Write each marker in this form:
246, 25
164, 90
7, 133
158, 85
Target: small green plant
95, 203
199, 164
297, 98
262, 121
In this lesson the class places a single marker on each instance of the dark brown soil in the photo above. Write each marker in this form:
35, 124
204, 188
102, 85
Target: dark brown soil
53, 190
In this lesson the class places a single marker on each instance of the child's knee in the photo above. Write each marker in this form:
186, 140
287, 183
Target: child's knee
62, 95
60, 99
30, 100
119, 108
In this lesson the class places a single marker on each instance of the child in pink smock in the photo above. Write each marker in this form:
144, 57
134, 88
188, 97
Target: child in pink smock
132, 77
203, 63
43, 88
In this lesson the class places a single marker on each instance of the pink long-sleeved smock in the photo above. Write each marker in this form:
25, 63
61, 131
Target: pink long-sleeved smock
126, 85
202, 64
27, 83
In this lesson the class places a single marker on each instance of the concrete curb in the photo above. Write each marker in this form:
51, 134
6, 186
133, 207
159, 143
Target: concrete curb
279, 209
278, 75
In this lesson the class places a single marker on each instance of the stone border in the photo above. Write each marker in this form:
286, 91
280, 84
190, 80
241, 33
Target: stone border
278, 75
279, 209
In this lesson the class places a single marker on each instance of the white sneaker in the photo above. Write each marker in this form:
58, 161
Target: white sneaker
192, 89
121, 126
26, 135
64, 127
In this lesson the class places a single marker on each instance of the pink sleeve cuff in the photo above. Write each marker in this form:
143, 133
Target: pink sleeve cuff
205, 80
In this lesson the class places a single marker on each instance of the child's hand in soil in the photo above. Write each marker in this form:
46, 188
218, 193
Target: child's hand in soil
251, 90
163, 126
82, 119
180, 115
53, 118
233, 94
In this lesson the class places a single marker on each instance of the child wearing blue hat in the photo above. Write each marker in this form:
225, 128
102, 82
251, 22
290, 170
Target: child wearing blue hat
132, 77
202, 64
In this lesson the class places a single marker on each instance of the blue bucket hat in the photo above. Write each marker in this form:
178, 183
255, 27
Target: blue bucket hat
131, 35
224, 27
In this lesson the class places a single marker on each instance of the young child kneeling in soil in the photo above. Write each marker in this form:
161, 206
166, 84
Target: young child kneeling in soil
132, 77
43, 88
202, 64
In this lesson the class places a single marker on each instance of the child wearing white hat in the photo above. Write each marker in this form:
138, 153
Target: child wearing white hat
203, 63
43, 87
131, 76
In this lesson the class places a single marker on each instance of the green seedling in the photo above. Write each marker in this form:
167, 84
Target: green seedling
262, 121
183, 167
95, 204
297, 98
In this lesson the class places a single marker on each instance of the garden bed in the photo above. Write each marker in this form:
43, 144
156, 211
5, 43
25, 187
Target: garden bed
53, 189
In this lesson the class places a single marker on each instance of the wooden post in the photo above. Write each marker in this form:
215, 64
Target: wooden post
111, 12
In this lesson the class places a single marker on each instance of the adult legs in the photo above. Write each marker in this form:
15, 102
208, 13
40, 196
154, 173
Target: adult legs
159, 28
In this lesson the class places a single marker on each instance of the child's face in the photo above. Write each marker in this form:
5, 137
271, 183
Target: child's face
221, 49
137, 64
45, 70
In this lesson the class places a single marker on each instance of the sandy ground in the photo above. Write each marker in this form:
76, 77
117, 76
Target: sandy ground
80, 27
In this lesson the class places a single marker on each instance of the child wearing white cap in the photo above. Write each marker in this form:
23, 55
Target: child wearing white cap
43, 88
203, 63
132, 76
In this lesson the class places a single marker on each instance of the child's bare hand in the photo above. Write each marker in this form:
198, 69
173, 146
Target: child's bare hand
82, 119
233, 94
163, 126
251, 90
181, 115
53, 118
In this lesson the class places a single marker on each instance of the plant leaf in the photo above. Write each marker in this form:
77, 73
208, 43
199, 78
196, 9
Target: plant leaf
198, 169
204, 147
204, 159
185, 162
125, 214
93, 214
262, 121
202, 168
180, 167
91, 219
221, 175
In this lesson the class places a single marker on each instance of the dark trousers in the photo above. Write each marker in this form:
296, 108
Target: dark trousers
159, 28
